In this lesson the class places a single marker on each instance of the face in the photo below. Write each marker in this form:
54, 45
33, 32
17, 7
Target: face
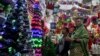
78, 22
71, 29
64, 31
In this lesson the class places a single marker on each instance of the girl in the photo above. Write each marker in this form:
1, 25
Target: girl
65, 43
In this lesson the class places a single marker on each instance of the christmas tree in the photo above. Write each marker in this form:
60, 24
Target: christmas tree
14, 30
4, 43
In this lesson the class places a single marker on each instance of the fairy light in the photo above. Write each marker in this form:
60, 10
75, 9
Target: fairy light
4, 26
1, 33
1, 46
14, 28
1, 37
13, 21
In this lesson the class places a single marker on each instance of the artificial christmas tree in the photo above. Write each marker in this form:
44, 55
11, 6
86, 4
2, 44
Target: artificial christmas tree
15, 29
4, 43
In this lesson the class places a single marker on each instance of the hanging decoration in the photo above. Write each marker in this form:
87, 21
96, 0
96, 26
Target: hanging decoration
36, 26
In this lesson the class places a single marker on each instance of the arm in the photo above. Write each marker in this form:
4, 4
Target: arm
84, 41
83, 35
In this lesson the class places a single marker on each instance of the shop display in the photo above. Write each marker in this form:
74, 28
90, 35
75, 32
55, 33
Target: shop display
13, 36
35, 27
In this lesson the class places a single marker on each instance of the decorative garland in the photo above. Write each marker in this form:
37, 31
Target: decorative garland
36, 26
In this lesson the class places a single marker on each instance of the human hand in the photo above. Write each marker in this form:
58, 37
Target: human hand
77, 40
55, 41
69, 39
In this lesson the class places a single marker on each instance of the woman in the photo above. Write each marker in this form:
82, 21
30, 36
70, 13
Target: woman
65, 43
80, 42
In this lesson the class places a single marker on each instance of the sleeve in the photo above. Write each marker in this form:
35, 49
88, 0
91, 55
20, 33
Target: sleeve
84, 41
84, 34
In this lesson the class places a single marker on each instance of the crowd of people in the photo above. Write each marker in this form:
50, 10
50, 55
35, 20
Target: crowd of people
78, 38
75, 35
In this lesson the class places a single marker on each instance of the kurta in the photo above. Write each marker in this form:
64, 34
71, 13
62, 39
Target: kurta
80, 49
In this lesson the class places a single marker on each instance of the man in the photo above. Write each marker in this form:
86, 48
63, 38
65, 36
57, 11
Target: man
80, 39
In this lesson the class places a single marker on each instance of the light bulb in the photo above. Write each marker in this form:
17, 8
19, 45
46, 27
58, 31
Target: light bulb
1, 45
2, 33
13, 21
1, 37
4, 26
14, 28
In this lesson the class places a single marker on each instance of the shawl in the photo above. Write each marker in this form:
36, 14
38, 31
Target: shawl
82, 34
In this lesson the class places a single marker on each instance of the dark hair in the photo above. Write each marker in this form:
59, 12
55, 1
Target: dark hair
66, 29
99, 25
81, 18
66, 32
